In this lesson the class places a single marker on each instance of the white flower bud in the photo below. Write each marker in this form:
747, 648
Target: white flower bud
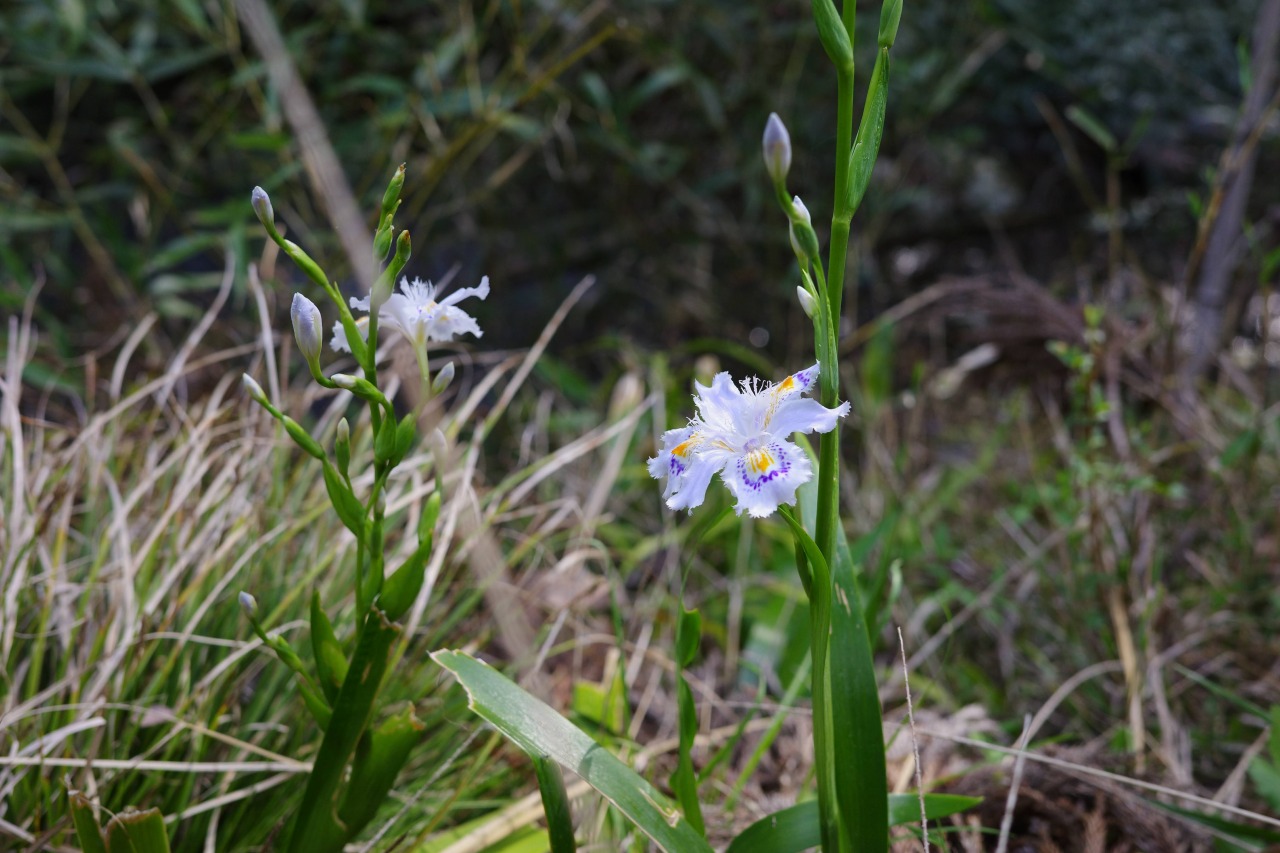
804, 242
262, 207
306, 328
343, 380
777, 148
248, 604
802, 211
807, 303
443, 378
254, 390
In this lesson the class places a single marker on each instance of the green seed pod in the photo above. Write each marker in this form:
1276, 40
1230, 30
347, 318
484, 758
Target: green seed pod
406, 436
430, 514
331, 663
304, 262
890, 17
301, 437
832, 34
401, 589
384, 443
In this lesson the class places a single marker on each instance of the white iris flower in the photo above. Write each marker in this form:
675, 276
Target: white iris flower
416, 313
742, 434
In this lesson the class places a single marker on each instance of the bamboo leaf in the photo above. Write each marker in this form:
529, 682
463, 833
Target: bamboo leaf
537, 729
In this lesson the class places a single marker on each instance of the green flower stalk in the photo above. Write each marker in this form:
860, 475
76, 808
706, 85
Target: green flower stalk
359, 757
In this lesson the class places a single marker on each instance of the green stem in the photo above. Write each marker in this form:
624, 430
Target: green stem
317, 828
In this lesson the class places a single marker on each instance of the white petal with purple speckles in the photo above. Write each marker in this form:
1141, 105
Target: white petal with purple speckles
741, 431
765, 476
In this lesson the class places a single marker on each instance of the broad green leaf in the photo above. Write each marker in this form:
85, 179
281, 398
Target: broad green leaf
795, 829
87, 832
137, 832
537, 729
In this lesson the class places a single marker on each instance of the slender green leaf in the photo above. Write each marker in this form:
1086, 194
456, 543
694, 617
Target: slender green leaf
857, 727
87, 831
137, 832
345, 503
794, 829
555, 805
866, 145
316, 829
380, 755
331, 663
1241, 831
537, 729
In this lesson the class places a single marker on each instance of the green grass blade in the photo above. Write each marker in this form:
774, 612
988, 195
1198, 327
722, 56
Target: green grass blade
137, 832
795, 829
317, 828
87, 832
862, 785
537, 729
555, 805
684, 781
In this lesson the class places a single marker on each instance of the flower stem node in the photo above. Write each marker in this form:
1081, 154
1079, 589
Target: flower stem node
742, 432
777, 149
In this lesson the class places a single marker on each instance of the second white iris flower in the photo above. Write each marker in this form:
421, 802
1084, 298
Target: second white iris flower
416, 313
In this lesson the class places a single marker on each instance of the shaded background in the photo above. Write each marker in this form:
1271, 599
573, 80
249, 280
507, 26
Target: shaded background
548, 140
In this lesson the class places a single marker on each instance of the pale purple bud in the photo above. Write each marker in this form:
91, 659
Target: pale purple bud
777, 148
254, 390
443, 378
306, 328
248, 604
266, 213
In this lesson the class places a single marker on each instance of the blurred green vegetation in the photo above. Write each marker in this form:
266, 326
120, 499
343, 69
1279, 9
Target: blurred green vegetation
547, 140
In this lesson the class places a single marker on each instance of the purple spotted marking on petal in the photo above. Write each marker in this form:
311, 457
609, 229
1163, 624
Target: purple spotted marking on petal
781, 469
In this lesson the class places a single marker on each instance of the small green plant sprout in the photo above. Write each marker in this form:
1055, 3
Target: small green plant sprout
363, 749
